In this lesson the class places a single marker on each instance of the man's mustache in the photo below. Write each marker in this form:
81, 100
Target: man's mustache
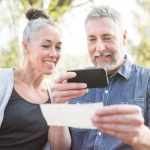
102, 54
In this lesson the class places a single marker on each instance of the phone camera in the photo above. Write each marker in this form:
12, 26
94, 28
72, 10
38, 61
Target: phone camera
102, 71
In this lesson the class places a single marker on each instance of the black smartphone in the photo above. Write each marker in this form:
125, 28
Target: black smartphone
93, 77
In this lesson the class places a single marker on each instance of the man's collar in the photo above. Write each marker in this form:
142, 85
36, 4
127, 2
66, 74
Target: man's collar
125, 69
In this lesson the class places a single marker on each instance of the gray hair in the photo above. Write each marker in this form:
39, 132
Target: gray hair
105, 11
34, 25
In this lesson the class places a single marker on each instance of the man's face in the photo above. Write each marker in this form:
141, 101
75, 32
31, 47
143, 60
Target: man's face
105, 43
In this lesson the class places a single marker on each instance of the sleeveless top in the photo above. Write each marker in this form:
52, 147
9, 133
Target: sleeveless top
23, 126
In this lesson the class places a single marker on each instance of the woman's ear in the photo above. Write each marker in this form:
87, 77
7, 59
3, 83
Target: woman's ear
25, 47
124, 37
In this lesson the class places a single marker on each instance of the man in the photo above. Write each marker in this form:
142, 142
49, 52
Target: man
123, 124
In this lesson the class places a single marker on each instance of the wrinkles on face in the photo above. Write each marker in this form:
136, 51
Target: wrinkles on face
109, 65
105, 45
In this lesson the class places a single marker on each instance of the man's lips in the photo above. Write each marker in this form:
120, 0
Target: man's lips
102, 57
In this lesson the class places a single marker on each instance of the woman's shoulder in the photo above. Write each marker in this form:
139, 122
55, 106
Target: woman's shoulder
6, 73
6, 69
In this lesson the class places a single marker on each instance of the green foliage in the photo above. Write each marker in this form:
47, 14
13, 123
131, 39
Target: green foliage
15, 10
31, 3
142, 51
57, 9
12, 56
10, 53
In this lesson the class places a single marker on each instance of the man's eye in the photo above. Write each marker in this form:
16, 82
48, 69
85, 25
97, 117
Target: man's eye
45, 46
91, 39
108, 38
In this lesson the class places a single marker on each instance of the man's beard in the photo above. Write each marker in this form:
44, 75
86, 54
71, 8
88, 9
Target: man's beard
109, 66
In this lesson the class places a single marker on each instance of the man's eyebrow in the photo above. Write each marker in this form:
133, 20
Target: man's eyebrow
91, 36
107, 34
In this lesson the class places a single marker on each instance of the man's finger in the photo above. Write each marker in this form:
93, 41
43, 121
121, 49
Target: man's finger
118, 109
65, 76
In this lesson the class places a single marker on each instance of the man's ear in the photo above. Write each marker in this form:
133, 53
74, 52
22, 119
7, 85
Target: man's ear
25, 47
124, 37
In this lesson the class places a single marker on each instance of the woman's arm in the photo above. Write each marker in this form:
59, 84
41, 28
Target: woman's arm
59, 138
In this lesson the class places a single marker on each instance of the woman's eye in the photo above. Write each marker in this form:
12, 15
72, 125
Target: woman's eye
58, 47
45, 46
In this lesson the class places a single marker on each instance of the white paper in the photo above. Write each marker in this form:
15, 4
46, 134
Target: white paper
71, 115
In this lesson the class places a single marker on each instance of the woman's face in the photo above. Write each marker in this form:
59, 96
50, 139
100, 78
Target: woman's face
44, 50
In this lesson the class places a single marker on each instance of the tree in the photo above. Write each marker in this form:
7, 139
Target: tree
13, 16
142, 24
10, 17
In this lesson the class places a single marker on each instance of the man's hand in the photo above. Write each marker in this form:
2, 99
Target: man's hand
62, 92
124, 122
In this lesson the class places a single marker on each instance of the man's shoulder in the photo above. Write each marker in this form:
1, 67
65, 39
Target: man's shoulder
140, 68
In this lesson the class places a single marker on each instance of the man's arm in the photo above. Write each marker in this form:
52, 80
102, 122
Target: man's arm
124, 122
59, 138
61, 92
144, 140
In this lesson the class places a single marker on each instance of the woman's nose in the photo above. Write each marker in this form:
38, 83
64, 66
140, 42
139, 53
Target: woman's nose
53, 52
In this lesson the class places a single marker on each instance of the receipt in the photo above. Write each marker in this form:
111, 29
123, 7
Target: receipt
71, 115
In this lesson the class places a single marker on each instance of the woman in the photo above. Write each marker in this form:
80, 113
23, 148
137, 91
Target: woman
22, 126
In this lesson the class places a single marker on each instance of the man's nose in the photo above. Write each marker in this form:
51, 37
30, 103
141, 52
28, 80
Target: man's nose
100, 46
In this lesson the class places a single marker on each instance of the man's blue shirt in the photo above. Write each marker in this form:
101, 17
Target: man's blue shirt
130, 85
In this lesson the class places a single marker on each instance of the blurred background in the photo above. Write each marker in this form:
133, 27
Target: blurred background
71, 15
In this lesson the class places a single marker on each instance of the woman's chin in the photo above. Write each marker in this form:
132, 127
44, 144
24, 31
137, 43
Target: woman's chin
49, 72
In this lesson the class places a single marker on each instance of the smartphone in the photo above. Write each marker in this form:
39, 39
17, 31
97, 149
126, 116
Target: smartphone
93, 77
